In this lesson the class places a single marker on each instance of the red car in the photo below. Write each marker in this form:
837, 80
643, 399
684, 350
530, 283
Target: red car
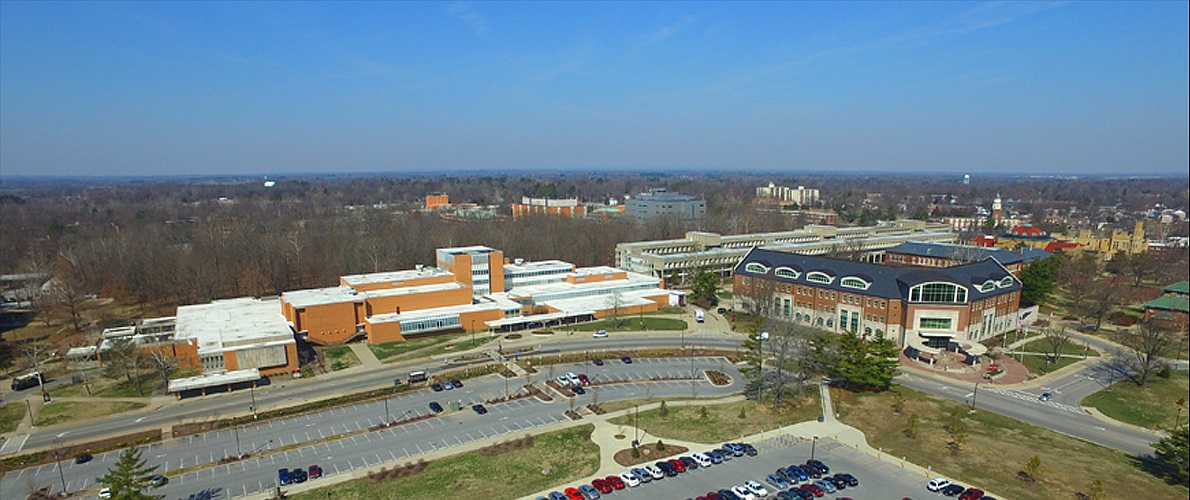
574, 494
813, 489
602, 485
315, 472
971, 494
582, 377
681, 467
597, 361
617, 483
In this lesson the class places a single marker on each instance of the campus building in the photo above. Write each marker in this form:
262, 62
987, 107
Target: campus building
800, 196
914, 253
720, 254
1172, 307
927, 309
659, 202
470, 289
570, 207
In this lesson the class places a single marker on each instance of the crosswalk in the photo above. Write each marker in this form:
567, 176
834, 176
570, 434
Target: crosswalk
1025, 396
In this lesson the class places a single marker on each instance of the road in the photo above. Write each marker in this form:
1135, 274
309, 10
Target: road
338, 438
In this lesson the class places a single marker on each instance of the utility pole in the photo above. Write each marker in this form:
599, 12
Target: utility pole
813, 447
252, 390
30, 408
636, 426
974, 394
58, 462
236, 429
387, 418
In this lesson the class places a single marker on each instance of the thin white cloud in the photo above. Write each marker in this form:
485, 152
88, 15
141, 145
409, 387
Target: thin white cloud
464, 12
667, 32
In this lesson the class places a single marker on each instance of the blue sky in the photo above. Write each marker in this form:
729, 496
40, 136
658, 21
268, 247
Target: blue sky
165, 88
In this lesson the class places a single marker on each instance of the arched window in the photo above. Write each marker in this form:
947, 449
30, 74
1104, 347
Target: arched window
938, 293
1006, 282
987, 286
756, 267
819, 277
853, 282
785, 272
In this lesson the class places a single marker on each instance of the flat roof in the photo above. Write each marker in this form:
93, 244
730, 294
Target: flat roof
394, 276
223, 324
537, 265
593, 270
493, 303
467, 250
562, 286
321, 296
213, 379
536, 318
631, 298
408, 290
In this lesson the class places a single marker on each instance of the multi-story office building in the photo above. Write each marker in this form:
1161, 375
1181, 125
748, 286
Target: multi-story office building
720, 253
570, 207
920, 254
659, 202
928, 309
801, 196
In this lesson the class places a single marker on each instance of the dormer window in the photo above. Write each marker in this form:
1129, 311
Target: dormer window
785, 272
853, 282
819, 277
1006, 282
756, 267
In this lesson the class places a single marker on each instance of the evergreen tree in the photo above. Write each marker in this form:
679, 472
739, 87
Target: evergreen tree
128, 476
864, 364
1037, 279
706, 286
1174, 451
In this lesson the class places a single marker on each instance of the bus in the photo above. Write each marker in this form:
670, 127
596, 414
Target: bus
27, 381
418, 377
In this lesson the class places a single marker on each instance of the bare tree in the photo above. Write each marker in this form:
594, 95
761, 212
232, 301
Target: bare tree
65, 290
1145, 349
1101, 297
163, 362
38, 352
124, 358
1056, 337
1076, 277
616, 303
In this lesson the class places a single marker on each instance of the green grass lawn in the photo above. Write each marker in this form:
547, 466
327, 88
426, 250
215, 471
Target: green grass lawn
56, 413
1036, 363
340, 357
104, 387
394, 349
631, 323
996, 448
722, 422
1154, 406
11, 415
567, 455
1072, 348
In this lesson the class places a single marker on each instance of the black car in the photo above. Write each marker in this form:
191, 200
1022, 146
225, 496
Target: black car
435, 407
627, 360
721, 310
851, 480
667, 468
479, 409
749, 449
729, 495
83, 458
578, 389
436, 387
457, 383
821, 466
298, 475
805, 495
689, 462
837, 482
952, 490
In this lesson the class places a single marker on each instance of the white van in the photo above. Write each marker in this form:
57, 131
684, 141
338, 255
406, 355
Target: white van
698, 316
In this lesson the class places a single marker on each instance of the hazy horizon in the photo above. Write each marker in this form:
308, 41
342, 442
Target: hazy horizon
254, 89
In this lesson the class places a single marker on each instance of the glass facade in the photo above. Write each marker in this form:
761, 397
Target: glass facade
938, 293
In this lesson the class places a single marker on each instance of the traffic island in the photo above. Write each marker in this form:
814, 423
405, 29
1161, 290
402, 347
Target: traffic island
648, 452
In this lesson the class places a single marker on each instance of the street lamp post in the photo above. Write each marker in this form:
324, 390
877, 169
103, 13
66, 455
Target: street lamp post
236, 430
813, 447
58, 462
252, 390
636, 426
387, 419
974, 394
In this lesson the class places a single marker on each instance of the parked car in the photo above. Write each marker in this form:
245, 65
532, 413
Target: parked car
848, 478
778, 481
602, 485
573, 379
821, 466
616, 481
828, 486
597, 361
315, 472
797, 473
937, 484
814, 488
448, 386
435, 407
676, 464
105, 492
715, 457
666, 468
574, 494
158, 481
643, 475
627, 360
480, 409
728, 494
630, 479
702, 459
283, 477
589, 491
972, 494
689, 462
457, 383
743, 492
298, 475
554, 495
655, 472
562, 380
436, 387
749, 449
83, 458
578, 389
756, 488
802, 494
952, 490
582, 378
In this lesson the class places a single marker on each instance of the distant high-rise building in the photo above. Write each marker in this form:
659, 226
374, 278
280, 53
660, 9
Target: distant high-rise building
966, 179
546, 206
801, 195
437, 200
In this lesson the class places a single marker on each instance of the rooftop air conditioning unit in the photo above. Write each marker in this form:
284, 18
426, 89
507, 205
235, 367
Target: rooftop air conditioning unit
519, 261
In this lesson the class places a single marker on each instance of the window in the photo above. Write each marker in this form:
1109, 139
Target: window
938, 293
853, 282
785, 272
756, 267
819, 277
934, 324
987, 286
1006, 282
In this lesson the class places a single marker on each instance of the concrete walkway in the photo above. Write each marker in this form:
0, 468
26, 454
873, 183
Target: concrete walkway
367, 358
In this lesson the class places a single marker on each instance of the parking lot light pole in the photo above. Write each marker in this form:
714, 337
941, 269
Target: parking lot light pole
387, 418
813, 447
58, 461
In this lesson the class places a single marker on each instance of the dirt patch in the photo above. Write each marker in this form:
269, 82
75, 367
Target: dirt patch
507, 446
596, 409
718, 378
648, 452
512, 336
409, 469
573, 415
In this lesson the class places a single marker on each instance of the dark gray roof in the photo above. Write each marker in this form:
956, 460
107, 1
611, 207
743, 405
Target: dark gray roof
885, 281
962, 253
1031, 254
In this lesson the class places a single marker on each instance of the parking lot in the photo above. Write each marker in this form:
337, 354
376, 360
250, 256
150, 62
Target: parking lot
878, 479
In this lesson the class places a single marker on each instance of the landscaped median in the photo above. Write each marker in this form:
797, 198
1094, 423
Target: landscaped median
711, 422
499, 471
1156, 405
994, 452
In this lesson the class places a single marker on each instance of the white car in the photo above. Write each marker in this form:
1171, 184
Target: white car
702, 459
601, 334
743, 492
563, 380
937, 484
756, 489
573, 379
654, 471
629, 479
105, 493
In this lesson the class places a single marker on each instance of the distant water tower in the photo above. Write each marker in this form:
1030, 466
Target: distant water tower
966, 179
